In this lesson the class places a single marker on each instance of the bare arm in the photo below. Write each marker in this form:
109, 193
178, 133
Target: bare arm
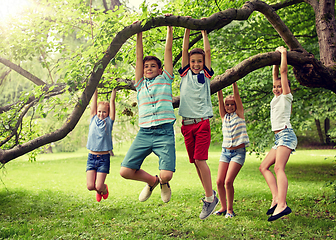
239, 104
139, 58
112, 104
185, 47
93, 106
168, 56
284, 70
275, 72
221, 107
207, 49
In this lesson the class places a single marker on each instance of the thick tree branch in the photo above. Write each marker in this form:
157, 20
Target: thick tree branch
23, 72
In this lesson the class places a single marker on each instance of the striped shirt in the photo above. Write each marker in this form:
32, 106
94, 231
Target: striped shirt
234, 131
155, 100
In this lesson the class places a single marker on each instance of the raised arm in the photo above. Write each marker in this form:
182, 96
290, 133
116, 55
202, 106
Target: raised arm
112, 104
139, 72
221, 107
168, 56
207, 49
93, 106
284, 70
185, 48
239, 104
275, 72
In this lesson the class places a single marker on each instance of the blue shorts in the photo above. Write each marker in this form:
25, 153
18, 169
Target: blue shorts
237, 155
286, 138
98, 163
158, 139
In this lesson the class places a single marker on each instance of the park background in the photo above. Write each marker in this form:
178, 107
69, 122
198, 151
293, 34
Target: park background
43, 194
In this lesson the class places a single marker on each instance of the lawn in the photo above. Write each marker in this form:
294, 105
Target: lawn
48, 199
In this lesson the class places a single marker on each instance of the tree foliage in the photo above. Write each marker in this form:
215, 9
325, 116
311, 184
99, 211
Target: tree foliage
80, 45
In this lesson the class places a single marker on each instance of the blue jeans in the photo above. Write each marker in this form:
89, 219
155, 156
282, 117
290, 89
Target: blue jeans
237, 155
98, 163
285, 138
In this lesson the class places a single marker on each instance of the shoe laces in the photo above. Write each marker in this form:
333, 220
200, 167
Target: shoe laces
206, 205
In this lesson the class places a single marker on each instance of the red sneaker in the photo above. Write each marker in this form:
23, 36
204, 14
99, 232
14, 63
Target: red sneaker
107, 194
98, 197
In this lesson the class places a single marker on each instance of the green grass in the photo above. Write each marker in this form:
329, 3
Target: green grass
48, 199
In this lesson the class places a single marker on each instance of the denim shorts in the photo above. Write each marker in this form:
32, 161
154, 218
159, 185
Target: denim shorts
98, 163
286, 138
237, 155
158, 139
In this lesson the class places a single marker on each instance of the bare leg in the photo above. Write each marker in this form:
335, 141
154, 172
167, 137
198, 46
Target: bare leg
165, 176
232, 172
205, 176
138, 175
100, 183
222, 171
199, 175
91, 180
268, 175
282, 156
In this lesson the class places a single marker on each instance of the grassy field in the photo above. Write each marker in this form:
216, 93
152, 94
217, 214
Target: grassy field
48, 199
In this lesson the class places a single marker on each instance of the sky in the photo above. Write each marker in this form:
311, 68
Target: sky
10, 7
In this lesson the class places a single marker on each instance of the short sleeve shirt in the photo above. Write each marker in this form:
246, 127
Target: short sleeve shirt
281, 107
155, 100
195, 94
100, 134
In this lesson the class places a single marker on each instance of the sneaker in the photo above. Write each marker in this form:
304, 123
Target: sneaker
230, 215
165, 192
208, 208
147, 191
98, 197
106, 194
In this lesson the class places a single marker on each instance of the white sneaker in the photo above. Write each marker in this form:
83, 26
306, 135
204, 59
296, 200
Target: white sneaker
147, 191
165, 192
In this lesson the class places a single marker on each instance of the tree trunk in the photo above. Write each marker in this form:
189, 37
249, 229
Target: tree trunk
319, 130
326, 129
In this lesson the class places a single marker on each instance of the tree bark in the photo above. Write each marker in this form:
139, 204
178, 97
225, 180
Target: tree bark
326, 129
319, 130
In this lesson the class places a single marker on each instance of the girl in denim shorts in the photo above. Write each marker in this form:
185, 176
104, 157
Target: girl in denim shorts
100, 145
235, 139
285, 140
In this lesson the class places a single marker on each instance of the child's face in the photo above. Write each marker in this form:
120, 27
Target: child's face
230, 106
196, 63
102, 111
151, 69
277, 89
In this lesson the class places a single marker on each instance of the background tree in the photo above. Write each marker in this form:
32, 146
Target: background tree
243, 36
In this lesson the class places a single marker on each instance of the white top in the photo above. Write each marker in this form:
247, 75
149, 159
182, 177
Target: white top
281, 108
195, 94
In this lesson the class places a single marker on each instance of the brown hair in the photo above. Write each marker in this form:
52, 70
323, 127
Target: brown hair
148, 58
289, 82
197, 51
